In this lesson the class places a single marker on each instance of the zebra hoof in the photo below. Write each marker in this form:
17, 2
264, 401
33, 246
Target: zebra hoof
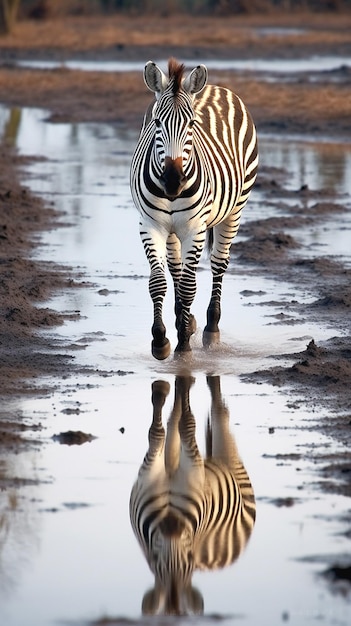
210, 338
180, 353
160, 390
161, 352
192, 324
183, 350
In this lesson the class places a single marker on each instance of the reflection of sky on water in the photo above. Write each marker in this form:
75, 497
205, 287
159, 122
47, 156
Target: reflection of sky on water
87, 562
312, 64
93, 170
320, 165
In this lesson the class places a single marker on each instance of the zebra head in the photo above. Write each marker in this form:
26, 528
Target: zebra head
173, 119
172, 562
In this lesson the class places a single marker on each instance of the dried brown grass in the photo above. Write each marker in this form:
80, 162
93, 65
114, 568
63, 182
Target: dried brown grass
89, 32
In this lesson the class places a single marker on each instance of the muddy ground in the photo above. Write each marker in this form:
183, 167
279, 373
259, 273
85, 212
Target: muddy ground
318, 104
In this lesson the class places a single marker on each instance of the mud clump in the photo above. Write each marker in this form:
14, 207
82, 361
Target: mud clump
338, 577
265, 247
320, 372
338, 572
73, 438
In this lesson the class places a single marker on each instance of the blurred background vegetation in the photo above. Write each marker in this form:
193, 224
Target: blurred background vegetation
11, 10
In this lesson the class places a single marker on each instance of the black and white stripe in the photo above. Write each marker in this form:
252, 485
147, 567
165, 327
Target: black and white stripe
188, 512
192, 172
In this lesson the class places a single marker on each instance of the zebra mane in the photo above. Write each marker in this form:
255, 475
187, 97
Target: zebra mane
175, 73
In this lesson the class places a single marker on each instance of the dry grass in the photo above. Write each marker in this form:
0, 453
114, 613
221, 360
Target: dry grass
85, 33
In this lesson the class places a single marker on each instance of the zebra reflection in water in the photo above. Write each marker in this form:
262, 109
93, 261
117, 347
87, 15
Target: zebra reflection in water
188, 512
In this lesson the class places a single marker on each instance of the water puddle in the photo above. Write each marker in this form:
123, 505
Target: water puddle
69, 553
267, 66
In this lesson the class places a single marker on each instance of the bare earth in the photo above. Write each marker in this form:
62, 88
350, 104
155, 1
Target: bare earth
319, 104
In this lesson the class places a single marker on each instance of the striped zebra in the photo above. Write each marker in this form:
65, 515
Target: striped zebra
191, 173
189, 512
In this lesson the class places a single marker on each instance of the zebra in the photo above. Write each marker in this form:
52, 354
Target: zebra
191, 174
189, 512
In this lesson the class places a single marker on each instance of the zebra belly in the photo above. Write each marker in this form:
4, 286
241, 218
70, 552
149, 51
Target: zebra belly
175, 217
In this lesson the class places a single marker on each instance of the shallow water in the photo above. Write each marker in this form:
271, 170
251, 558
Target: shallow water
69, 553
271, 66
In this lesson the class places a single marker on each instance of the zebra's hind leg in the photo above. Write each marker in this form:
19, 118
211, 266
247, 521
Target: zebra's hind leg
210, 334
223, 235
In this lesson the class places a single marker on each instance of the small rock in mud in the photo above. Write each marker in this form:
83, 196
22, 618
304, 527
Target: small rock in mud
73, 437
75, 505
288, 501
313, 350
69, 411
248, 293
107, 292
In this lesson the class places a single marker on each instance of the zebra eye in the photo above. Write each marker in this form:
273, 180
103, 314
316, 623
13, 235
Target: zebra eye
191, 123
158, 123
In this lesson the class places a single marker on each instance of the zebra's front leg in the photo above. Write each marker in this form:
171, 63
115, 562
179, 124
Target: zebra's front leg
174, 260
155, 250
159, 392
185, 321
185, 324
160, 345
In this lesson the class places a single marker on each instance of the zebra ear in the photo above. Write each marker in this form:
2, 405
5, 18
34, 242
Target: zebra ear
154, 78
197, 79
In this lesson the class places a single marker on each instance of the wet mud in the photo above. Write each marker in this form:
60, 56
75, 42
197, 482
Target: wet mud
318, 377
24, 284
321, 373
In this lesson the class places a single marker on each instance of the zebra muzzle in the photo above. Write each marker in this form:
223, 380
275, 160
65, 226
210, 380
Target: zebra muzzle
173, 178
172, 525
